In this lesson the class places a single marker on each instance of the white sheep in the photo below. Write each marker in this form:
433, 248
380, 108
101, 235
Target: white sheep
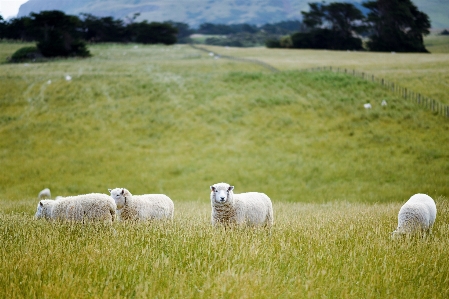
367, 106
417, 215
142, 207
81, 208
44, 194
251, 208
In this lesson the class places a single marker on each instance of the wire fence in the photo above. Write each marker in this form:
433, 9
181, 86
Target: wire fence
428, 103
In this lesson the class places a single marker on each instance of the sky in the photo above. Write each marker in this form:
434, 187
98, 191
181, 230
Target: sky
10, 8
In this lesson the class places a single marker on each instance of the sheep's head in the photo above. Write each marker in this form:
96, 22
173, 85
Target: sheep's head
44, 209
120, 196
221, 193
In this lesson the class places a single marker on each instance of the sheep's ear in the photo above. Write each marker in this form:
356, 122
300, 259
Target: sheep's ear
41, 204
212, 188
109, 190
123, 191
231, 188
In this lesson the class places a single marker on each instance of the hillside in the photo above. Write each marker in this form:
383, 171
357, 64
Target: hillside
174, 120
195, 12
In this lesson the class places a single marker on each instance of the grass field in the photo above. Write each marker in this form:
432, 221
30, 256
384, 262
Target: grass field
173, 120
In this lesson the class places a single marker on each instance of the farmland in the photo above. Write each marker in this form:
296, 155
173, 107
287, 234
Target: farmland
175, 120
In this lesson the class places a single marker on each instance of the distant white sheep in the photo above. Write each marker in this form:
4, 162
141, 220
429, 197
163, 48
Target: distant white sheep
142, 207
44, 194
384, 103
367, 106
417, 215
251, 208
81, 208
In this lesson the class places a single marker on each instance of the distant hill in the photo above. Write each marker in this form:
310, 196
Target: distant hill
195, 12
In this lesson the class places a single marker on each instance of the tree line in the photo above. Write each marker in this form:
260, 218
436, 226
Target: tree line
387, 25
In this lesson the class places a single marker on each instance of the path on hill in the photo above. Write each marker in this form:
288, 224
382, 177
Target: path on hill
255, 61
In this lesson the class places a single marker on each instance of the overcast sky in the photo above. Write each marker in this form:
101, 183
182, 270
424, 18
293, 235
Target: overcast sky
10, 8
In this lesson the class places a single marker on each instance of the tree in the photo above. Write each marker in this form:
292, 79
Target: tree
58, 34
396, 25
153, 33
332, 26
106, 29
184, 32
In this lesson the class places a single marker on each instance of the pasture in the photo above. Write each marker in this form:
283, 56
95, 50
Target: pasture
174, 120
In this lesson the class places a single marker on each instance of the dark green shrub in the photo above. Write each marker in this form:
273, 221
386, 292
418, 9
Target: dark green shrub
273, 43
26, 54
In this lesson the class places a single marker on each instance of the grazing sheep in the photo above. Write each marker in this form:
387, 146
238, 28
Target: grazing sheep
82, 208
367, 106
44, 208
44, 194
142, 207
384, 103
417, 215
250, 208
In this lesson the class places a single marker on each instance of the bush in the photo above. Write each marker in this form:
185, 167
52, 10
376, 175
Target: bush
26, 54
325, 39
58, 47
273, 43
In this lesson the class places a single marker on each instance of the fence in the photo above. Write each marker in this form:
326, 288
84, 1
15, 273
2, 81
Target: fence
428, 103
433, 105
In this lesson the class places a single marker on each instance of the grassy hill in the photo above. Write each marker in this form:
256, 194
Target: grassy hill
195, 12
175, 120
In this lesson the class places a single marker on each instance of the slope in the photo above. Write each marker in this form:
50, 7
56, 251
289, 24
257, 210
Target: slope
173, 120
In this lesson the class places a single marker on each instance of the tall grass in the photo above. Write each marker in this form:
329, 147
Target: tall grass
333, 250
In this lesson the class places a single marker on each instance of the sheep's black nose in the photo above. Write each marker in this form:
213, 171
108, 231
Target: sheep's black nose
222, 198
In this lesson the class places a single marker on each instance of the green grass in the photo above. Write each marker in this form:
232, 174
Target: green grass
154, 119
436, 43
173, 120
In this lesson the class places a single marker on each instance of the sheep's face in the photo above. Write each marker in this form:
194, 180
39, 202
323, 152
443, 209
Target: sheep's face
120, 196
221, 193
43, 209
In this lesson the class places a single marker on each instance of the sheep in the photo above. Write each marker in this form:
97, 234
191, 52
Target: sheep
44, 194
142, 207
81, 208
417, 215
367, 106
384, 103
251, 208
44, 208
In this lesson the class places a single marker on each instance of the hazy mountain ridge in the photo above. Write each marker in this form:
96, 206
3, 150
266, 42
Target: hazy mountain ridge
195, 12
